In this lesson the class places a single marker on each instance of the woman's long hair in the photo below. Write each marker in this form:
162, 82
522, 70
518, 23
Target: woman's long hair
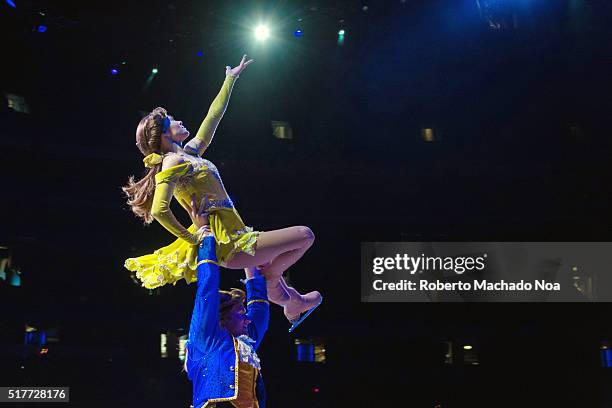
148, 139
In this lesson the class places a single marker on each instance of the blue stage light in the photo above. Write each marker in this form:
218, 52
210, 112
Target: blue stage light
305, 353
10, 3
606, 357
298, 33
42, 28
114, 71
200, 53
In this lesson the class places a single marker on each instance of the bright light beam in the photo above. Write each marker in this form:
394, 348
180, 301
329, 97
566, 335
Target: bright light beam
262, 32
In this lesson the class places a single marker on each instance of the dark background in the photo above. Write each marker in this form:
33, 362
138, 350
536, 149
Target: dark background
522, 114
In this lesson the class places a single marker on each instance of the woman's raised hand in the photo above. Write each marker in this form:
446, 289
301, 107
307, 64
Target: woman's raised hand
238, 69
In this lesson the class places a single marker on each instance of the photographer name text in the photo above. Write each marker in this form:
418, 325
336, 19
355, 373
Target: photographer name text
483, 284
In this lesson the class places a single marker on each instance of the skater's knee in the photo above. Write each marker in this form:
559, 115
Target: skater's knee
306, 235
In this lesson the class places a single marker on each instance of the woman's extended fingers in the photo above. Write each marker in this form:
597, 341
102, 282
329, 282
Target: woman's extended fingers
244, 62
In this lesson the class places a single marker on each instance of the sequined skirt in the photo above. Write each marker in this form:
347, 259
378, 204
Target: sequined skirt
179, 259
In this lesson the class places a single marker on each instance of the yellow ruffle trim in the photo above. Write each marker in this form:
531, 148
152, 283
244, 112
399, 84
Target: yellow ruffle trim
179, 260
166, 265
247, 243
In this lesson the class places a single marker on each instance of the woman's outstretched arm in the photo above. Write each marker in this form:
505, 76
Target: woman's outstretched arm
199, 144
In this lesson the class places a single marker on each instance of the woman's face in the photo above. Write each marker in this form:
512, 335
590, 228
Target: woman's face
177, 132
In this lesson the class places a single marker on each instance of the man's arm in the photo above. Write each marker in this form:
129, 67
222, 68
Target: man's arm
204, 329
258, 308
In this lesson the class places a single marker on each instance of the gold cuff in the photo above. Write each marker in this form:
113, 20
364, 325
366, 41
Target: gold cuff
207, 261
257, 301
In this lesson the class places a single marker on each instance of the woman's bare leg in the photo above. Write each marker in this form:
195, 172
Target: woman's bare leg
293, 303
272, 244
278, 250
277, 289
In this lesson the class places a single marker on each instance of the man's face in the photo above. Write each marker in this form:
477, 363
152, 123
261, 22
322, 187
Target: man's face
237, 321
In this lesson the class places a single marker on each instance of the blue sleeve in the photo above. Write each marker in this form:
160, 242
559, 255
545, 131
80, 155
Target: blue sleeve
258, 308
204, 329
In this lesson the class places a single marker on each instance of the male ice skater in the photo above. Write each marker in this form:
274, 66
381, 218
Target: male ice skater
221, 360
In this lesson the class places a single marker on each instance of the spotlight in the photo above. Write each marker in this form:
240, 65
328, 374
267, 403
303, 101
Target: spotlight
467, 347
154, 71
42, 28
10, 3
341, 32
262, 32
114, 71
200, 53
298, 33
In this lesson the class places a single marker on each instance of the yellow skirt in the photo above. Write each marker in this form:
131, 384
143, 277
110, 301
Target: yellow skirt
179, 260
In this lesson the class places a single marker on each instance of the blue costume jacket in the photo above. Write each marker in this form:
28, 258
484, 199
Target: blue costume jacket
212, 359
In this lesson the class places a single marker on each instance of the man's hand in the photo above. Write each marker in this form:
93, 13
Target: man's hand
197, 212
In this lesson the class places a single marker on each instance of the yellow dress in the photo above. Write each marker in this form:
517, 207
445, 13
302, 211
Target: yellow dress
200, 177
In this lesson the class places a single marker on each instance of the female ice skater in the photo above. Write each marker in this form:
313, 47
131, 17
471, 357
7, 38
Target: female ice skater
181, 172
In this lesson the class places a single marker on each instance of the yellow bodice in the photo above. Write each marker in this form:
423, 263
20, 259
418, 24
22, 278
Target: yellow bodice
199, 177
179, 259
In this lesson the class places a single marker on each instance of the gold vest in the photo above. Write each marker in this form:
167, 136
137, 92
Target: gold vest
247, 398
